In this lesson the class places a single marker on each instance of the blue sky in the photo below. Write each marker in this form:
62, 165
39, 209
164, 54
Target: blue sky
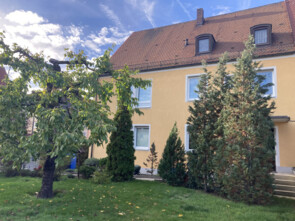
94, 25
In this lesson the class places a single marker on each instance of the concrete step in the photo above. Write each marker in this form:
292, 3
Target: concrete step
285, 187
284, 193
281, 176
284, 182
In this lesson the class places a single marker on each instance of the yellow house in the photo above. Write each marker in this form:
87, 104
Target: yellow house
171, 58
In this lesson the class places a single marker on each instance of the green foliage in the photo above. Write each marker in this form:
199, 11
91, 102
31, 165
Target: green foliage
172, 167
87, 171
152, 160
137, 169
66, 103
101, 177
71, 176
93, 162
10, 172
202, 127
103, 163
245, 152
120, 149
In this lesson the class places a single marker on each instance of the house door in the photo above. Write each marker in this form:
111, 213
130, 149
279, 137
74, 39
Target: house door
274, 149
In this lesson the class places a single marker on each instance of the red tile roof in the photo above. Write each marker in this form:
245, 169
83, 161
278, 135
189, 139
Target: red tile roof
164, 47
2, 75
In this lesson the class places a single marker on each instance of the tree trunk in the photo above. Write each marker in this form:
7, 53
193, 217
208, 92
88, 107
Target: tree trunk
47, 179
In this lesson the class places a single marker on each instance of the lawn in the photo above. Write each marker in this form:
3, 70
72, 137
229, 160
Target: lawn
137, 200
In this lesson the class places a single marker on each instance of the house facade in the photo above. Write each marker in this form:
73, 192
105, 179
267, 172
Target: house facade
171, 57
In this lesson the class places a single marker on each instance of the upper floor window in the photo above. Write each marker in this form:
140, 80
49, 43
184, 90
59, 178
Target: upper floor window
204, 43
192, 82
144, 96
269, 75
262, 34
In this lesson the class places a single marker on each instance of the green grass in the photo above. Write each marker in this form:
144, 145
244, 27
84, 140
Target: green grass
137, 200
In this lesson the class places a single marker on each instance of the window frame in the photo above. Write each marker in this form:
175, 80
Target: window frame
134, 127
135, 92
274, 79
187, 99
210, 46
186, 139
268, 28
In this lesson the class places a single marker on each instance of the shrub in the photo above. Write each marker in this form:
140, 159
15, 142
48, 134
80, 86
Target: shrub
71, 176
172, 167
25, 173
103, 163
87, 171
9, 172
152, 160
137, 169
101, 177
93, 162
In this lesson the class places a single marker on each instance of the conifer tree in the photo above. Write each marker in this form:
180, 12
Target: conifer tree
152, 159
120, 150
246, 151
202, 126
172, 166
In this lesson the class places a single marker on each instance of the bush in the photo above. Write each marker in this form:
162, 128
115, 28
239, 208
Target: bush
71, 176
87, 171
25, 173
137, 169
172, 167
93, 162
9, 172
103, 163
101, 177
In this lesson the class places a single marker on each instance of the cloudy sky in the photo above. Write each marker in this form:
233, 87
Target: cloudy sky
94, 25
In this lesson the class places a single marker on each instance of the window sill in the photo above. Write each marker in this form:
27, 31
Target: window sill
142, 148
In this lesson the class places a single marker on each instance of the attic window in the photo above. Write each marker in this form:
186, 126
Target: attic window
262, 34
204, 43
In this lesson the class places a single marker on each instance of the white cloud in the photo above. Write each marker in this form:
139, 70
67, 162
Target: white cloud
220, 10
32, 31
146, 7
112, 16
106, 36
244, 4
184, 9
24, 17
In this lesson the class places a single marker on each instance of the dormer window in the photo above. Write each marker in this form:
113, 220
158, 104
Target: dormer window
262, 34
204, 43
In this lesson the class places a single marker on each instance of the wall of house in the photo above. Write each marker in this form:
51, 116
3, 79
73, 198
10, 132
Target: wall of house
169, 105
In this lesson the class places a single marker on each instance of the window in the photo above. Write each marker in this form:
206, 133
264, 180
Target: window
141, 137
262, 34
144, 96
204, 43
192, 82
269, 75
186, 138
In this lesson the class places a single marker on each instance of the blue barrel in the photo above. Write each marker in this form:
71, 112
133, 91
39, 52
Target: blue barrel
73, 163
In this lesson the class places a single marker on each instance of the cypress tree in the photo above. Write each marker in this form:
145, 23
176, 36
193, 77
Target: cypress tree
246, 150
172, 167
203, 129
120, 149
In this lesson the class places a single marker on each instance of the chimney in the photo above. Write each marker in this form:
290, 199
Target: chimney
200, 16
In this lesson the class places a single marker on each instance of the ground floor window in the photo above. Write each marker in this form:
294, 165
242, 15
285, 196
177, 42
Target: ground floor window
141, 137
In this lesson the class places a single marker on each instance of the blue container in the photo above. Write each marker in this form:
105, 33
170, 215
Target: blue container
73, 163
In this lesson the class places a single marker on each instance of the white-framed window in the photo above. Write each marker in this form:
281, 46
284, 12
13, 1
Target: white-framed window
270, 77
141, 133
204, 45
192, 82
144, 96
186, 139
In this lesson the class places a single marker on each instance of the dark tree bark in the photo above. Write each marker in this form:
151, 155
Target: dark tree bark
47, 179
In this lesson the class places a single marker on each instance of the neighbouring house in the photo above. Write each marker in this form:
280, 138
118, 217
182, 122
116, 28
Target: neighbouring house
171, 57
